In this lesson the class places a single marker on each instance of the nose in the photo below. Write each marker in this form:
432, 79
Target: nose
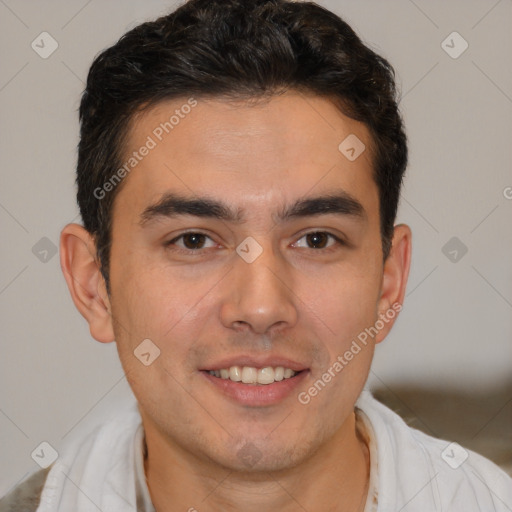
259, 295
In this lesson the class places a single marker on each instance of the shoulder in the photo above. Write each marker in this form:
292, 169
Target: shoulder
95, 452
417, 471
25, 496
464, 477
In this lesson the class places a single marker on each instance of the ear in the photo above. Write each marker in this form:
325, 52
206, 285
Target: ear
85, 282
394, 279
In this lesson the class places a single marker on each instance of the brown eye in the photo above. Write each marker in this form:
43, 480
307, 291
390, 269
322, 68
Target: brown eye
317, 240
193, 240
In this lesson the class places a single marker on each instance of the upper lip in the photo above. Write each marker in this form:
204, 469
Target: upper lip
256, 362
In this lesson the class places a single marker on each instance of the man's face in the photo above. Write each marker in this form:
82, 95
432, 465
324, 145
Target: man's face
208, 303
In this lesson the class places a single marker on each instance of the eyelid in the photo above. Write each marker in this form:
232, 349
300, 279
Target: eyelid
339, 241
193, 232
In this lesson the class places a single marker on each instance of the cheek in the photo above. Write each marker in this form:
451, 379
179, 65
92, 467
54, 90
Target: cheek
154, 323
148, 296
160, 303
345, 301
342, 312
346, 306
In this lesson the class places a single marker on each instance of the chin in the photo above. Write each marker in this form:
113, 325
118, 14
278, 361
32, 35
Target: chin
258, 455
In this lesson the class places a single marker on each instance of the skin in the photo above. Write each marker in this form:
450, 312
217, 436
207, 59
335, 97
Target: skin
294, 300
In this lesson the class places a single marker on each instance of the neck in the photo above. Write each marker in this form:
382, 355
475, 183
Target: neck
335, 478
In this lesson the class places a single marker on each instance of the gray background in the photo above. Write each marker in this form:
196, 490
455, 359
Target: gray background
455, 330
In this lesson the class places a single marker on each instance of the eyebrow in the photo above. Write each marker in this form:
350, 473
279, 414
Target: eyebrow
172, 205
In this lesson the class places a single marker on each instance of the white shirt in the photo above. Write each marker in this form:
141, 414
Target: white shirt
409, 470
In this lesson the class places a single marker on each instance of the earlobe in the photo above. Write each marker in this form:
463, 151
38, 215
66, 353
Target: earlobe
394, 279
85, 281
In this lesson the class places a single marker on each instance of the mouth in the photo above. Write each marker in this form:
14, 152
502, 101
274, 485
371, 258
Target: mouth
255, 386
255, 376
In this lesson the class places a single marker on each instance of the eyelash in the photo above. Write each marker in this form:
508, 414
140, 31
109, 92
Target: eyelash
339, 242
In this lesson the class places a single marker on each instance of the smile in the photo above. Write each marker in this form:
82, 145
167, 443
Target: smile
256, 387
252, 375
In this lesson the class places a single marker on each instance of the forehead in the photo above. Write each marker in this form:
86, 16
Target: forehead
248, 151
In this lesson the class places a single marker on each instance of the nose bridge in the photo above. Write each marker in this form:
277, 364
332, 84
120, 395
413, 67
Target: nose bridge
259, 291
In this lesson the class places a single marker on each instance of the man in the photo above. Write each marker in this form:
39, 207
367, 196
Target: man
238, 177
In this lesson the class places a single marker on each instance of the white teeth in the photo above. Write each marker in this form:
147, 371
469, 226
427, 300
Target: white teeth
235, 373
251, 375
266, 375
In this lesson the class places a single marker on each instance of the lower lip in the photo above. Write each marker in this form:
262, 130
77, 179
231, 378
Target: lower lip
257, 395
